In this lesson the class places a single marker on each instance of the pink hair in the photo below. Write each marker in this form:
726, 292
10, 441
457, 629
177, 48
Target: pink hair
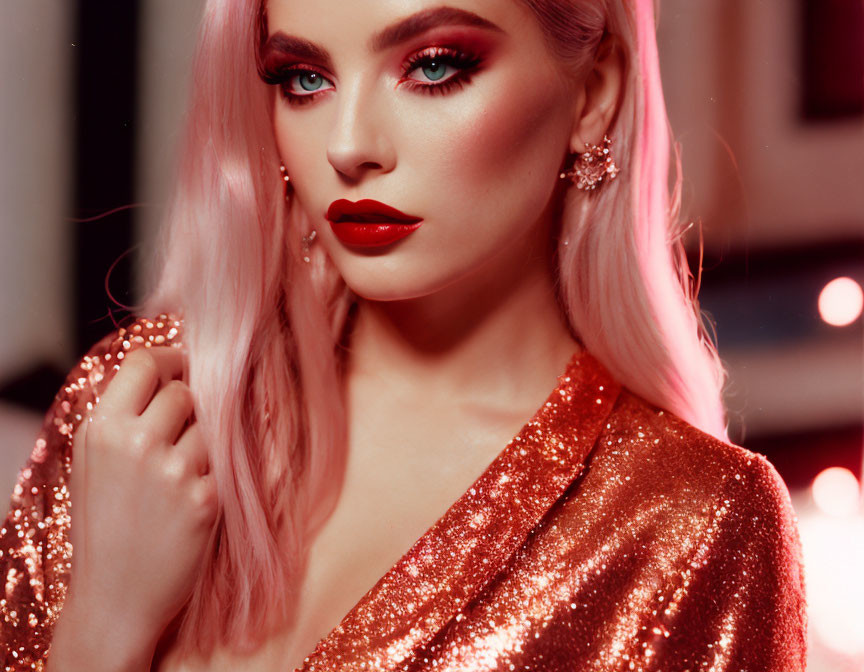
641, 319
263, 329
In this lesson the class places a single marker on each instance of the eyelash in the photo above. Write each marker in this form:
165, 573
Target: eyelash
465, 63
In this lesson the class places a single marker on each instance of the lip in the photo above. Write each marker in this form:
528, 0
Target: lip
369, 223
367, 210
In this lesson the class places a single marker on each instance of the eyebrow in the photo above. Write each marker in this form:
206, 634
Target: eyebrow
399, 32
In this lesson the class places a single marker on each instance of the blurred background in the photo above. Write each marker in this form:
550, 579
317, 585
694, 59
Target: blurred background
766, 98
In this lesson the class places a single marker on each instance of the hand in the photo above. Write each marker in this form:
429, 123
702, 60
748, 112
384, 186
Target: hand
143, 502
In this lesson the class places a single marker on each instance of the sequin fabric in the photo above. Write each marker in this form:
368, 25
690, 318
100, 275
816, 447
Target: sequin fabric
607, 535
35, 552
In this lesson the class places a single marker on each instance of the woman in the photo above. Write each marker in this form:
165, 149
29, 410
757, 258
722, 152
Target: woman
380, 470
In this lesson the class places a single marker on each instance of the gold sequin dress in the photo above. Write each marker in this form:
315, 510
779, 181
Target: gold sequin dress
608, 535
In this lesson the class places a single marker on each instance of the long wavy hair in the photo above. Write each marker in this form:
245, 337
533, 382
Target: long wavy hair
264, 329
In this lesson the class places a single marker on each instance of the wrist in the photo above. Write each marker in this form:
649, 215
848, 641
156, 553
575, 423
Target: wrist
92, 639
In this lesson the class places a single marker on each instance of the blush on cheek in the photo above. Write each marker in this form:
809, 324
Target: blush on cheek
514, 133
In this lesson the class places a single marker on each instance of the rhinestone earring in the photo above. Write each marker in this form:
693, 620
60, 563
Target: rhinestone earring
593, 166
306, 240
287, 180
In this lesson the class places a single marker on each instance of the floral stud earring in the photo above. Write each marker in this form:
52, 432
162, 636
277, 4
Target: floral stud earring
593, 167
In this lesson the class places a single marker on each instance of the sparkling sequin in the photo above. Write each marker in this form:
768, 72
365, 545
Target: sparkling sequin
607, 535
35, 552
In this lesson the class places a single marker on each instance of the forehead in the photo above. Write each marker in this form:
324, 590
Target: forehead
335, 21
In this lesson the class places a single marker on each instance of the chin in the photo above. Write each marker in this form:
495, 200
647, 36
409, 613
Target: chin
383, 281
386, 290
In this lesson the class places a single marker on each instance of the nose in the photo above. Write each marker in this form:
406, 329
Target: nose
356, 144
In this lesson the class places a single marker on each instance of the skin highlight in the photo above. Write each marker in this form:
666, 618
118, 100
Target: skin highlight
458, 335
479, 163
472, 288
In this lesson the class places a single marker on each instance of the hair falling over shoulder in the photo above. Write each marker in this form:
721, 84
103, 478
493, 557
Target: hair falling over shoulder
263, 329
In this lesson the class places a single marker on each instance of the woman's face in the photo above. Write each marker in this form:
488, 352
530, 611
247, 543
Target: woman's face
459, 116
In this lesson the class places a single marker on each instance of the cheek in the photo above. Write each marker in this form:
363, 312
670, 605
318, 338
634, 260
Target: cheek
297, 139
511, 130
497, 150
501, 126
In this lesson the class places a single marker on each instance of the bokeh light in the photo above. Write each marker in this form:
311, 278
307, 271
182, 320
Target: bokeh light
833, 551
836, 492
841, 301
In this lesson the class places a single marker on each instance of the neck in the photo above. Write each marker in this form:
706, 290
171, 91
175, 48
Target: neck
497, 338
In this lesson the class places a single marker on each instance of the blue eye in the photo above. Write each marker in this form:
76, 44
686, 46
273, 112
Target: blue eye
435, 70
311, 81
443, 69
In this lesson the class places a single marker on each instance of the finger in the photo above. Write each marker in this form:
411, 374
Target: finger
133, 384
79, 442
205, 494
191, 445
169, 410
138, 377
171, 362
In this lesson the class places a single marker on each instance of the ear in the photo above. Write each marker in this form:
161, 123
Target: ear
598, 95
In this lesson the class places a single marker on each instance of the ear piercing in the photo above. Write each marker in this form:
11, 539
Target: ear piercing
306, 240
288, 187
593, 167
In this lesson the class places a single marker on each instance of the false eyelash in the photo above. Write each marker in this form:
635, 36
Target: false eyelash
465, 64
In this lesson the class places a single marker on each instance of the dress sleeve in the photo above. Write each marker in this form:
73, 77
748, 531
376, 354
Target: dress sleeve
35, 552
740, 603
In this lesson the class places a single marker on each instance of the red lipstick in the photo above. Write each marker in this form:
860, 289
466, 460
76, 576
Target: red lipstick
369, 223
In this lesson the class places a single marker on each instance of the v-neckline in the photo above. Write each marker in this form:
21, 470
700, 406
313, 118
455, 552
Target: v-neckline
455, 557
